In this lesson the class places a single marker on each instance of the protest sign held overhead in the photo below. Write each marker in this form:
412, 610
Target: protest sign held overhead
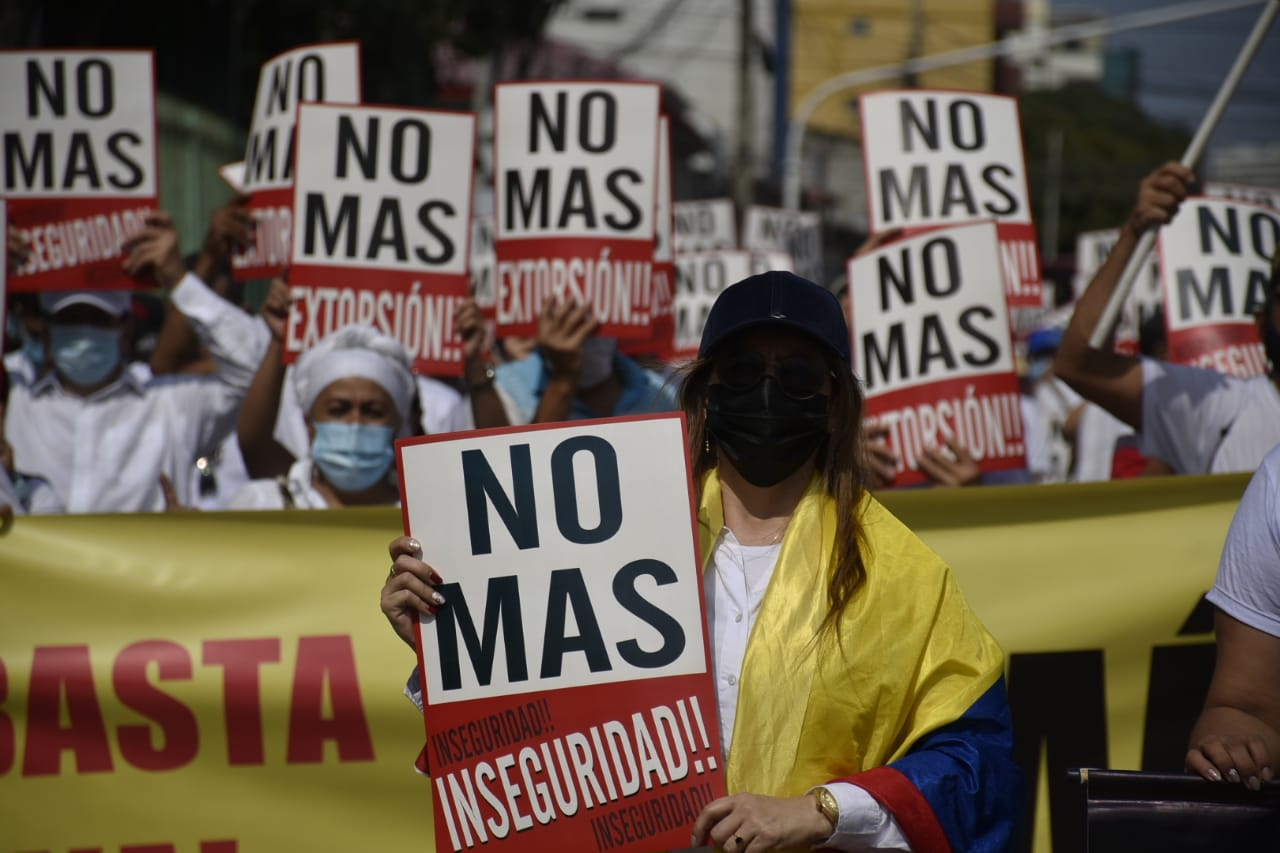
567, 685
383, 203
931, 343
944, 158
705, 224
323, 73
483, 263
1143, 302
700, 276
575, 178
80, 175
797, 233
661, 336
1215, 259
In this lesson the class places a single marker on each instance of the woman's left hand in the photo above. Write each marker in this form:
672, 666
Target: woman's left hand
753, 823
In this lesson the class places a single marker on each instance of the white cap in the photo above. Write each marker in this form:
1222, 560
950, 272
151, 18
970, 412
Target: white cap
113, 302
360, 351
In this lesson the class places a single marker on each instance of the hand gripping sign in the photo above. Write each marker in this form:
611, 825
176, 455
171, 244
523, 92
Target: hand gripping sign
931, 344
382, 199
326, 73
79, 165
1215, 259
567, 684
945, 158
575, 176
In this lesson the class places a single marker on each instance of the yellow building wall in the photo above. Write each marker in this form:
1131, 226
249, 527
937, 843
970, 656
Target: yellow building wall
831, 37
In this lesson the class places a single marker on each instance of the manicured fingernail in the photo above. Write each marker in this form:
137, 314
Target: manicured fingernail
1254, 783
1233, 775
436, 579
693, 841
437, 598
416, 546
1214, 774
1266, 774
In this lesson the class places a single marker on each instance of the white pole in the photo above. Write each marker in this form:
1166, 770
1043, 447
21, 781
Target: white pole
1110, 314
1005, 47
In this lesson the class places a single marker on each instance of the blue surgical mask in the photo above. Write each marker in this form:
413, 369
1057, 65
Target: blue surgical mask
83, 354
352, 457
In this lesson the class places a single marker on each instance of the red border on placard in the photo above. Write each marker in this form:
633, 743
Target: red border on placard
709, 714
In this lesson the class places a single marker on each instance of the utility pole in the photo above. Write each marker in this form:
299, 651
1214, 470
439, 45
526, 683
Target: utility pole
915, 46
746, 107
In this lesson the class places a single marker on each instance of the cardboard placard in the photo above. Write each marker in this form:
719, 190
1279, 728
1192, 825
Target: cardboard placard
383, 202
569, 701
931, 343
323, 73
79, 166
1092, 248
700, 276
797, 233
945, 158
705, 224
1215, 259
575, 178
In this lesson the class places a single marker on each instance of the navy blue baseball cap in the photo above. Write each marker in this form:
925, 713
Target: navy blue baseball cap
781, 299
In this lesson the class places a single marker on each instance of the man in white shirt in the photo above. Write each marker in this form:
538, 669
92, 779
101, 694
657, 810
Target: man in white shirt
100, 434
1198, 421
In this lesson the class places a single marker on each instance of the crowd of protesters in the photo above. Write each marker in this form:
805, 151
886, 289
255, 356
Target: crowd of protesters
107, 413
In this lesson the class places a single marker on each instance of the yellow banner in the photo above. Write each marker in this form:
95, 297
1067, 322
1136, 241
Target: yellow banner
225, 683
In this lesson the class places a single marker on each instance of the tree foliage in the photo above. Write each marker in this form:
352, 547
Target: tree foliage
1108, 146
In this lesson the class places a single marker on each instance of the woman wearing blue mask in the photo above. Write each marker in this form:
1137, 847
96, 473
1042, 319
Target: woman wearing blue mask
355, 389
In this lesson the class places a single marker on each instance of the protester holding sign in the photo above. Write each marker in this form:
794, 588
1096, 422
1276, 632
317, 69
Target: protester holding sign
356, 389
1196, 420
101, 434
1238, 734
861, 701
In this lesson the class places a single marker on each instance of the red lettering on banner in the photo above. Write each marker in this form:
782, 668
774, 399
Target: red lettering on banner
240, 660
221, 845
331, 660
53, 670
176, 721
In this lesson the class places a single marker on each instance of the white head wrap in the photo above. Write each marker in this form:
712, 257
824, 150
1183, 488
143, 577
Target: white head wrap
360, 351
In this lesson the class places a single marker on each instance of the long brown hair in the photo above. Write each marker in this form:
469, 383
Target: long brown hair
840, 461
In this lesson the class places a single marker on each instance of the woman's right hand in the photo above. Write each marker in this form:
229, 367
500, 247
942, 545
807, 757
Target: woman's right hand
410, 588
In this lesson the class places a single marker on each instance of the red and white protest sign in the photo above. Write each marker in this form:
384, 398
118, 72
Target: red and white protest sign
702, 225
383, 203
930, 335
79, 165
1215, 259
569, 703
1265, 196
945, 158
662, 318
700, 276
797, 233
575, 178
325, 73
1145, 299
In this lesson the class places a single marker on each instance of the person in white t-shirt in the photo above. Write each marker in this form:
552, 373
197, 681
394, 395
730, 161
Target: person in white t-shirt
1197, 421
1237, 737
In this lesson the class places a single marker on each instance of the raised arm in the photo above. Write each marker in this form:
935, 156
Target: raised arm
1103, 376
563, 327
263, 455
482, 395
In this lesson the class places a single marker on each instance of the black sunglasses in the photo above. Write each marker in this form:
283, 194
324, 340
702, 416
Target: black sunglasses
800, 377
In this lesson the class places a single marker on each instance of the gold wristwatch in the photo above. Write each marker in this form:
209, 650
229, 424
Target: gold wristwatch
828, 806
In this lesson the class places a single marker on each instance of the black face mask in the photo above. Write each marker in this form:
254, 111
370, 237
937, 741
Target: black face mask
1271, 344
766, 434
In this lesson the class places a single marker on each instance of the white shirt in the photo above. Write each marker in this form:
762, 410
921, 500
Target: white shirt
1096, 438
734, 588
106, 452
268, 493
1205, 422
1248, 584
